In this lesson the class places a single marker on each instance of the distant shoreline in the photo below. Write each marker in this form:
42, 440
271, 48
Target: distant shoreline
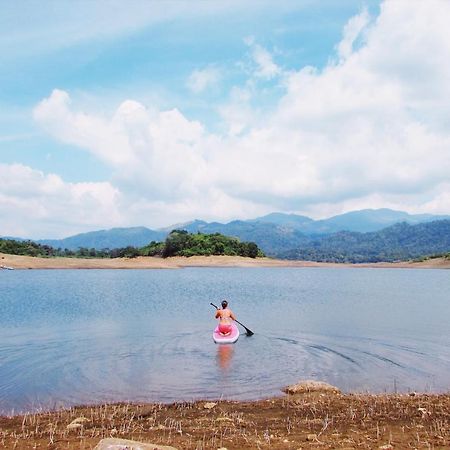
177, 262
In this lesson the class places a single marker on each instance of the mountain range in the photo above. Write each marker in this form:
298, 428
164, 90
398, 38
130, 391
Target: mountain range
398, 242
277, 234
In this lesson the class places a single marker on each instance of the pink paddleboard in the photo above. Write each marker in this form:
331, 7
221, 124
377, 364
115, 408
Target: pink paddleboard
219, 338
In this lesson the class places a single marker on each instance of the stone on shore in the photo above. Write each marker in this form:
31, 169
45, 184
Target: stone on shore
307, 386
77, 423
125, 444
209, 405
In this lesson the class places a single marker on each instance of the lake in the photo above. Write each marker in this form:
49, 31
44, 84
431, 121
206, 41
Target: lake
87, 336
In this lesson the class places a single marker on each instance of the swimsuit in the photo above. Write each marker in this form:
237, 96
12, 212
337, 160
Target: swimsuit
225, 328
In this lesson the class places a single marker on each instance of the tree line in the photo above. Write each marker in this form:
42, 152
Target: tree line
177, 243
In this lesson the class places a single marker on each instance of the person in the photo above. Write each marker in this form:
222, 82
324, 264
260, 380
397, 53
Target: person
225, 316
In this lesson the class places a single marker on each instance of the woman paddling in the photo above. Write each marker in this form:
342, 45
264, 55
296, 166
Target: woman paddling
225, 316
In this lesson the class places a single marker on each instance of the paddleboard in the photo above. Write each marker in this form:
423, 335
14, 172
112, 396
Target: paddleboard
219, 338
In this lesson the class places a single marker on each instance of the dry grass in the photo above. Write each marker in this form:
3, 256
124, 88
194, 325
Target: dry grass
312, 420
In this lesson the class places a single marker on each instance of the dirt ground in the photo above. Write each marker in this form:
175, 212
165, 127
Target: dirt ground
301, 421
29, 262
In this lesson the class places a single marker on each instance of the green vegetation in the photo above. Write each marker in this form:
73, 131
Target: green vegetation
25, 248
399, 242
30, 248
182, 243
177, 243
435, 256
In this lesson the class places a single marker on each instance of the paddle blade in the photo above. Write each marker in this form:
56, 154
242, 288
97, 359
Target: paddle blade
248, 332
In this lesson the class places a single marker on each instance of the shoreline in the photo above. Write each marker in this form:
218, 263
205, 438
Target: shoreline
308, 418
178, 262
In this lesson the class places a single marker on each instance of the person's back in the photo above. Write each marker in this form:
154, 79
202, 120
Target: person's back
226, 317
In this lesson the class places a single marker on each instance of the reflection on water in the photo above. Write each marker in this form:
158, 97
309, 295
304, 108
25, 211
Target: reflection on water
71, 337
224, 356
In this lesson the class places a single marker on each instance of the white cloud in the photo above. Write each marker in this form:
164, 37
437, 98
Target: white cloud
265, 65
366, 131
33, 204
237, 112
160, 153
352, 31
201, 79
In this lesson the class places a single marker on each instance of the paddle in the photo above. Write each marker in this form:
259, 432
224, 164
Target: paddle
249, 332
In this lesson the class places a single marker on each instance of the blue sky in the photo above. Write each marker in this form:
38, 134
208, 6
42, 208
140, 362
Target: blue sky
147, 60
157, 112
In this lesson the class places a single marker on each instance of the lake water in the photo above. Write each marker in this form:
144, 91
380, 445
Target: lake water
86, 336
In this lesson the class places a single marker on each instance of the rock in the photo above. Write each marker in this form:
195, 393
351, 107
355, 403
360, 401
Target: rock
386, 447
306, 386
125, 444
80, 419
209, 405
77, 423
424, 412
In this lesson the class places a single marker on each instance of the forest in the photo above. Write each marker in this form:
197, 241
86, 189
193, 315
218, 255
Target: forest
177, 243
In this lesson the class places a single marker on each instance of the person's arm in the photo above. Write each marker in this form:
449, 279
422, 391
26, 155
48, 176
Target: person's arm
232, 315
218, 314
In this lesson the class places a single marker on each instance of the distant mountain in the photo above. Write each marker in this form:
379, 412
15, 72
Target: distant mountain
288, 220
362, 221
271, 238
113, 238
192, 226
274, 233
398, 242
12, 238
368, 220
277, 232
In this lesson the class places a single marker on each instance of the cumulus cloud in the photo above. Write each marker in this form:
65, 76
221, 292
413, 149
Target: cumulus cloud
34, 204
352, 30
365, 131
159, 152
237, 113
201, 79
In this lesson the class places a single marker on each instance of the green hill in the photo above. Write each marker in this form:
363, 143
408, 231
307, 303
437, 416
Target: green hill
183, 243
398, 242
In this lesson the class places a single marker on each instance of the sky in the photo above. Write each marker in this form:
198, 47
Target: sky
153, 112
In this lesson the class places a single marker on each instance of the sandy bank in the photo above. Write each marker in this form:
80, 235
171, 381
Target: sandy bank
304, 421
28, 262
